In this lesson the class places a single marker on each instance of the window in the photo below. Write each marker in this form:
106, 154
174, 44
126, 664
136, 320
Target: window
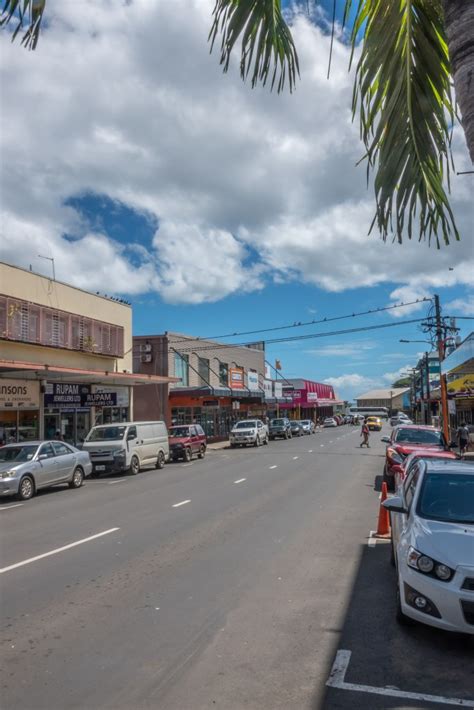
132, 432
203, 370
181, 369
223, 374
410, 486
61, 449
47, 450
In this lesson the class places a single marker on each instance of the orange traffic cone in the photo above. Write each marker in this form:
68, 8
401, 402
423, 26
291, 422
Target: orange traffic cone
383, 525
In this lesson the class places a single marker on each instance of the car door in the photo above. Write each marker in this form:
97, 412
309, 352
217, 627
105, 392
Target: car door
66, 461
46, 473
194, 438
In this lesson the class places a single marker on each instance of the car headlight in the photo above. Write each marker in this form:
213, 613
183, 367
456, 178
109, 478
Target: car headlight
7, 474
429, 566
118, 453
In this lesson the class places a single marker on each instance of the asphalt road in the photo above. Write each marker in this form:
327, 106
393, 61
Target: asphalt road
229, 583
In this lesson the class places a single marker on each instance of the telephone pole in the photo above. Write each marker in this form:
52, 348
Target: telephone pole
442, 378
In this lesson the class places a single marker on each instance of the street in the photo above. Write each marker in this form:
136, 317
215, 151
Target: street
226, 583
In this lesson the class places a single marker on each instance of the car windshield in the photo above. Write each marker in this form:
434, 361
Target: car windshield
179, 431
447, 497
306, 422
419, 436
278, 422
107, 433
245, 425
17, 453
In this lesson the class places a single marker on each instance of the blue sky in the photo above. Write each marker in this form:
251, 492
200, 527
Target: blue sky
149, 174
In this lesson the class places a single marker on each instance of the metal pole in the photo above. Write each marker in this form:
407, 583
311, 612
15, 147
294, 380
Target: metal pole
444, 393
428, 393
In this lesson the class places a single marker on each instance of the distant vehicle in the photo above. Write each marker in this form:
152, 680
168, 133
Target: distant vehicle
405, 440
374, 423
128, 446
432, 520
308, 426
186, 440
296, 428
329, 422
280, 428
26, 468
249, 431
400, 418
381, 412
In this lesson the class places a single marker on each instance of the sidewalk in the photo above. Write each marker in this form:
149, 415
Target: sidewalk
217, 445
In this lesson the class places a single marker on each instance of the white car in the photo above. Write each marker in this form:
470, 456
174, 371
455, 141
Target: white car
329, 422
432, 517
248, 431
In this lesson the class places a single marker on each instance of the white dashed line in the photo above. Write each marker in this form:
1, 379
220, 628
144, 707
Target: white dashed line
240, 480
9, 507
295, 457
185, 465
321, 444
57, 550
275, 466
310, 451
183, 502
122, 480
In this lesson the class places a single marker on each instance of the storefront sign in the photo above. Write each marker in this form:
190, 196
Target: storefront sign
268, 389
252, 380
19, 394
121, 394
236, 378
278, 390
100, 399
311, 396
235, 405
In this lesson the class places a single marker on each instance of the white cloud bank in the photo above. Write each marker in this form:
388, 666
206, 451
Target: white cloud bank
246, 185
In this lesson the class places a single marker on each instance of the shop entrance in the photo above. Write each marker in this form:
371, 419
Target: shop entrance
72, 425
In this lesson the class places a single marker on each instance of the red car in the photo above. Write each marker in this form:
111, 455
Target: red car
186, 440
406, 440
402, 470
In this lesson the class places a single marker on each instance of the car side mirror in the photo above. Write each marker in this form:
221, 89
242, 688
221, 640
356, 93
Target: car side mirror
395, 505
385, 440
42, 456
131, 436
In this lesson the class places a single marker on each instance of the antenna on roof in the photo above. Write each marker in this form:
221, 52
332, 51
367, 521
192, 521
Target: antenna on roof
51, 259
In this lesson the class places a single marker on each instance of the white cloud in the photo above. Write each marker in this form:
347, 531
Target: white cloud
246, 185
354, 350
464, 306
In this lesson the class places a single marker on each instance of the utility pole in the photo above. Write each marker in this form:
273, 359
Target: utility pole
442, 378
428, 393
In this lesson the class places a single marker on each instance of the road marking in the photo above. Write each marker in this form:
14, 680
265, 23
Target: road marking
371, 540
330, 442
275, 466
9, 507
57, 550
295, 457
338, 673
310, 451
122, 480
183, 502
321, 444
187, 464
240, 480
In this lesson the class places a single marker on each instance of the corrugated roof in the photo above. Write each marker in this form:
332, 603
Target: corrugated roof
383, 393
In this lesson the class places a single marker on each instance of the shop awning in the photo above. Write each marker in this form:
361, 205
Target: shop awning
207, 391
15, 369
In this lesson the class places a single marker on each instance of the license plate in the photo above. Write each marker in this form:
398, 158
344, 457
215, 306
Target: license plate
100, 468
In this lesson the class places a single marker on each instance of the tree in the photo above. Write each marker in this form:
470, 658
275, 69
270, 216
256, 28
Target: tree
402, 382
411, 52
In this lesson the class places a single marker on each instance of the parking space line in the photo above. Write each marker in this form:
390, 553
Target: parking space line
9, 507
371, 542
274, 466
57, 550
183, 502
337, 680
240, 480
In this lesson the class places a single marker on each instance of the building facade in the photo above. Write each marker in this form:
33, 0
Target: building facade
218, 384
65, 358
307, 399
458, 367
395, 399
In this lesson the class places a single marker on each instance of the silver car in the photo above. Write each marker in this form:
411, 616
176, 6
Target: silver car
308, 426
29, 466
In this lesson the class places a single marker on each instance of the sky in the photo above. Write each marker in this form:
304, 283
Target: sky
146, 173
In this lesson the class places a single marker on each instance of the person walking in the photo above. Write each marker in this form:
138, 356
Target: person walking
365, 433
462, 435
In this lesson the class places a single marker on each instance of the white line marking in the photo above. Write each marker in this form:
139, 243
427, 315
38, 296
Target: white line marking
330, 442
58, 549
321, 444
338, 673
295, 457
122, 480
240, 480
9, 507
183, 502
187, 464
371, 542
310, 451
275, 466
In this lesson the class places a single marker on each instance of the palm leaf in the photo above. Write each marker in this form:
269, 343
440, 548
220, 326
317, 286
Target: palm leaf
267, 48
403, 95
27, 13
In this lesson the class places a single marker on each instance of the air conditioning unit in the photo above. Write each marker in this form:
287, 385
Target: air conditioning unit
146, 348
146, 357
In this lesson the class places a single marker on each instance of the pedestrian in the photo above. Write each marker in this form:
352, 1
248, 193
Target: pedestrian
365, 433
462, 435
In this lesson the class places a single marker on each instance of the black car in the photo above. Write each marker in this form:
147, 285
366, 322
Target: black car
280, 428
296, 428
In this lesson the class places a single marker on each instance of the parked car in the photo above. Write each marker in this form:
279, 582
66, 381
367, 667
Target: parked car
329, 422
186, 440
405, 440
308, 426
296, 428
128, 446
374, 423
432, 520
27, 467
399, 419
401, 471
280, 428
249, 431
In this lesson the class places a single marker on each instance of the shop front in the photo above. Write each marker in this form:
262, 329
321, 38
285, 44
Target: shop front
19, 411
308, 400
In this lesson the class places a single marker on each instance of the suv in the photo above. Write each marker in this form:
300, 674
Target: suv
248, 431
186, 440
280, 427
405, 440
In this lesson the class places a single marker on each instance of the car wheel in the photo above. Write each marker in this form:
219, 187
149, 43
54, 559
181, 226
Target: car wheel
265, 441
160, 461
286, 435
188, 454
77, 478
232, 446
257, 440
402, 619
134, 466
202, 451
26, 489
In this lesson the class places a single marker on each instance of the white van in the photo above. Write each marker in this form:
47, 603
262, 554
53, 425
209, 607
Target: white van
127, 446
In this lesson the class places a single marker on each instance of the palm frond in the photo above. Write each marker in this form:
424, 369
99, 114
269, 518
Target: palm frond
267, 48
403, 94
27, 13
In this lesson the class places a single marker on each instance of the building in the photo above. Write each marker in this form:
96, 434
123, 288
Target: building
65, 358
218, 383
458, 367
308, 399
395, 399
